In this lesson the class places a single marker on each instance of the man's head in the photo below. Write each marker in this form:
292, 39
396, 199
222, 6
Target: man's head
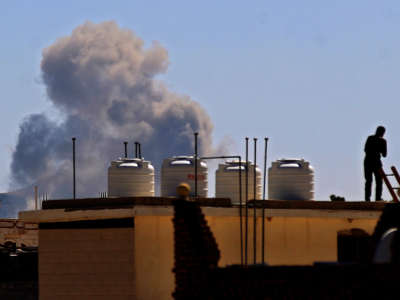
380, 131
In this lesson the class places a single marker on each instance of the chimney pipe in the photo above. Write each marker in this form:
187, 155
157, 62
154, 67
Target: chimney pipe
126, 149
136, 149
140, 150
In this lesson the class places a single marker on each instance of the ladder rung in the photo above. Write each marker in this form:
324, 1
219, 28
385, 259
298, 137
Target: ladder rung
396, 188
389, 174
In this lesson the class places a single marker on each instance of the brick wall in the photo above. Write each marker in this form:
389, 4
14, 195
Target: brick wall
87, 260
18, 232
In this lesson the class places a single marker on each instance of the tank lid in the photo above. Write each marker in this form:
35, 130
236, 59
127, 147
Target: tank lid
130, 162
291, 159
131, 159
235, 168
181, 162
236, 162
129, 165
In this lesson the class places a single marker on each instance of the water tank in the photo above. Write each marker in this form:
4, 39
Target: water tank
227, 181
291, 179
130, 177
180, 169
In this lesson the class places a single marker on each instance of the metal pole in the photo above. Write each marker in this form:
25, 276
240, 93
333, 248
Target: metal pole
73, 165
254, 204
126, 149
195, 163
263, 203
246, 204
136, 149
240, 210
36, 197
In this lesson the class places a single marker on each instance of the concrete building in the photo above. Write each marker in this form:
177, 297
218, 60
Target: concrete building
124, 248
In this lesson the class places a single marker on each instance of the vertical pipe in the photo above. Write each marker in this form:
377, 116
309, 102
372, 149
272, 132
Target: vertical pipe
73, 166
36, 197
140, 150
263, 203
240, 210
126, 149
246, 204
136, 149
195, 163
254, 204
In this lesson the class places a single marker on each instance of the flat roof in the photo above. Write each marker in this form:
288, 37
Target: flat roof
105, 208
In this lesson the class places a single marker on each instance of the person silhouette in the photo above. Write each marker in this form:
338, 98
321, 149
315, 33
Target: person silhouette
375, 147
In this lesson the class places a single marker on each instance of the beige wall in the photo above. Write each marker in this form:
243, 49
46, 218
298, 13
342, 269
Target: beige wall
154, 257
289, 240
140, 260
86, 264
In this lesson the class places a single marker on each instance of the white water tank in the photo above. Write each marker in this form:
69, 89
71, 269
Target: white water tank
227, 181
291, 179
180, 169
130, 177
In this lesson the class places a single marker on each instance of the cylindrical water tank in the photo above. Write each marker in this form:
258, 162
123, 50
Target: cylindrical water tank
180, 169
291, 179
227, 181
130, 177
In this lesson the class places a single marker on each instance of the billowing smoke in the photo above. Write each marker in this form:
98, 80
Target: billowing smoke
102, 81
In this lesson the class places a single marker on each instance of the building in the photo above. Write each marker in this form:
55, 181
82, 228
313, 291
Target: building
124, 247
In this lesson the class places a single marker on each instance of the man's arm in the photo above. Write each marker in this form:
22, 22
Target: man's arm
366, 147
384, 148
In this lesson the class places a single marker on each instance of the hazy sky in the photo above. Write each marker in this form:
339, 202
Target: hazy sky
317, 77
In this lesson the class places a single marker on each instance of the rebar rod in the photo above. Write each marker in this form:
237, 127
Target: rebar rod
254, 203
240, 211
263, 203
246, 204
195, 163
73, 167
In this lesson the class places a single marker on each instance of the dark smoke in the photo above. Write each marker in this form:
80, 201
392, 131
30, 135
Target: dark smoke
102, 80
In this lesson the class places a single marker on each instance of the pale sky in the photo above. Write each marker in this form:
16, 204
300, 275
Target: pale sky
316, 77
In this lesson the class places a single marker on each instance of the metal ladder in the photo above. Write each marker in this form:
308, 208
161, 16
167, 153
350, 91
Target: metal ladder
389, 185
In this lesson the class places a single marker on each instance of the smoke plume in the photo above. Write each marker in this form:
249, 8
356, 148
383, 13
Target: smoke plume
102, 81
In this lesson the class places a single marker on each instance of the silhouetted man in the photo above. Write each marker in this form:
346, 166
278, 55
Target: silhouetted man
375, 146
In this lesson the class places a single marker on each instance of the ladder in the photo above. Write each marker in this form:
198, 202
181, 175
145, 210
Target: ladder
389, 185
